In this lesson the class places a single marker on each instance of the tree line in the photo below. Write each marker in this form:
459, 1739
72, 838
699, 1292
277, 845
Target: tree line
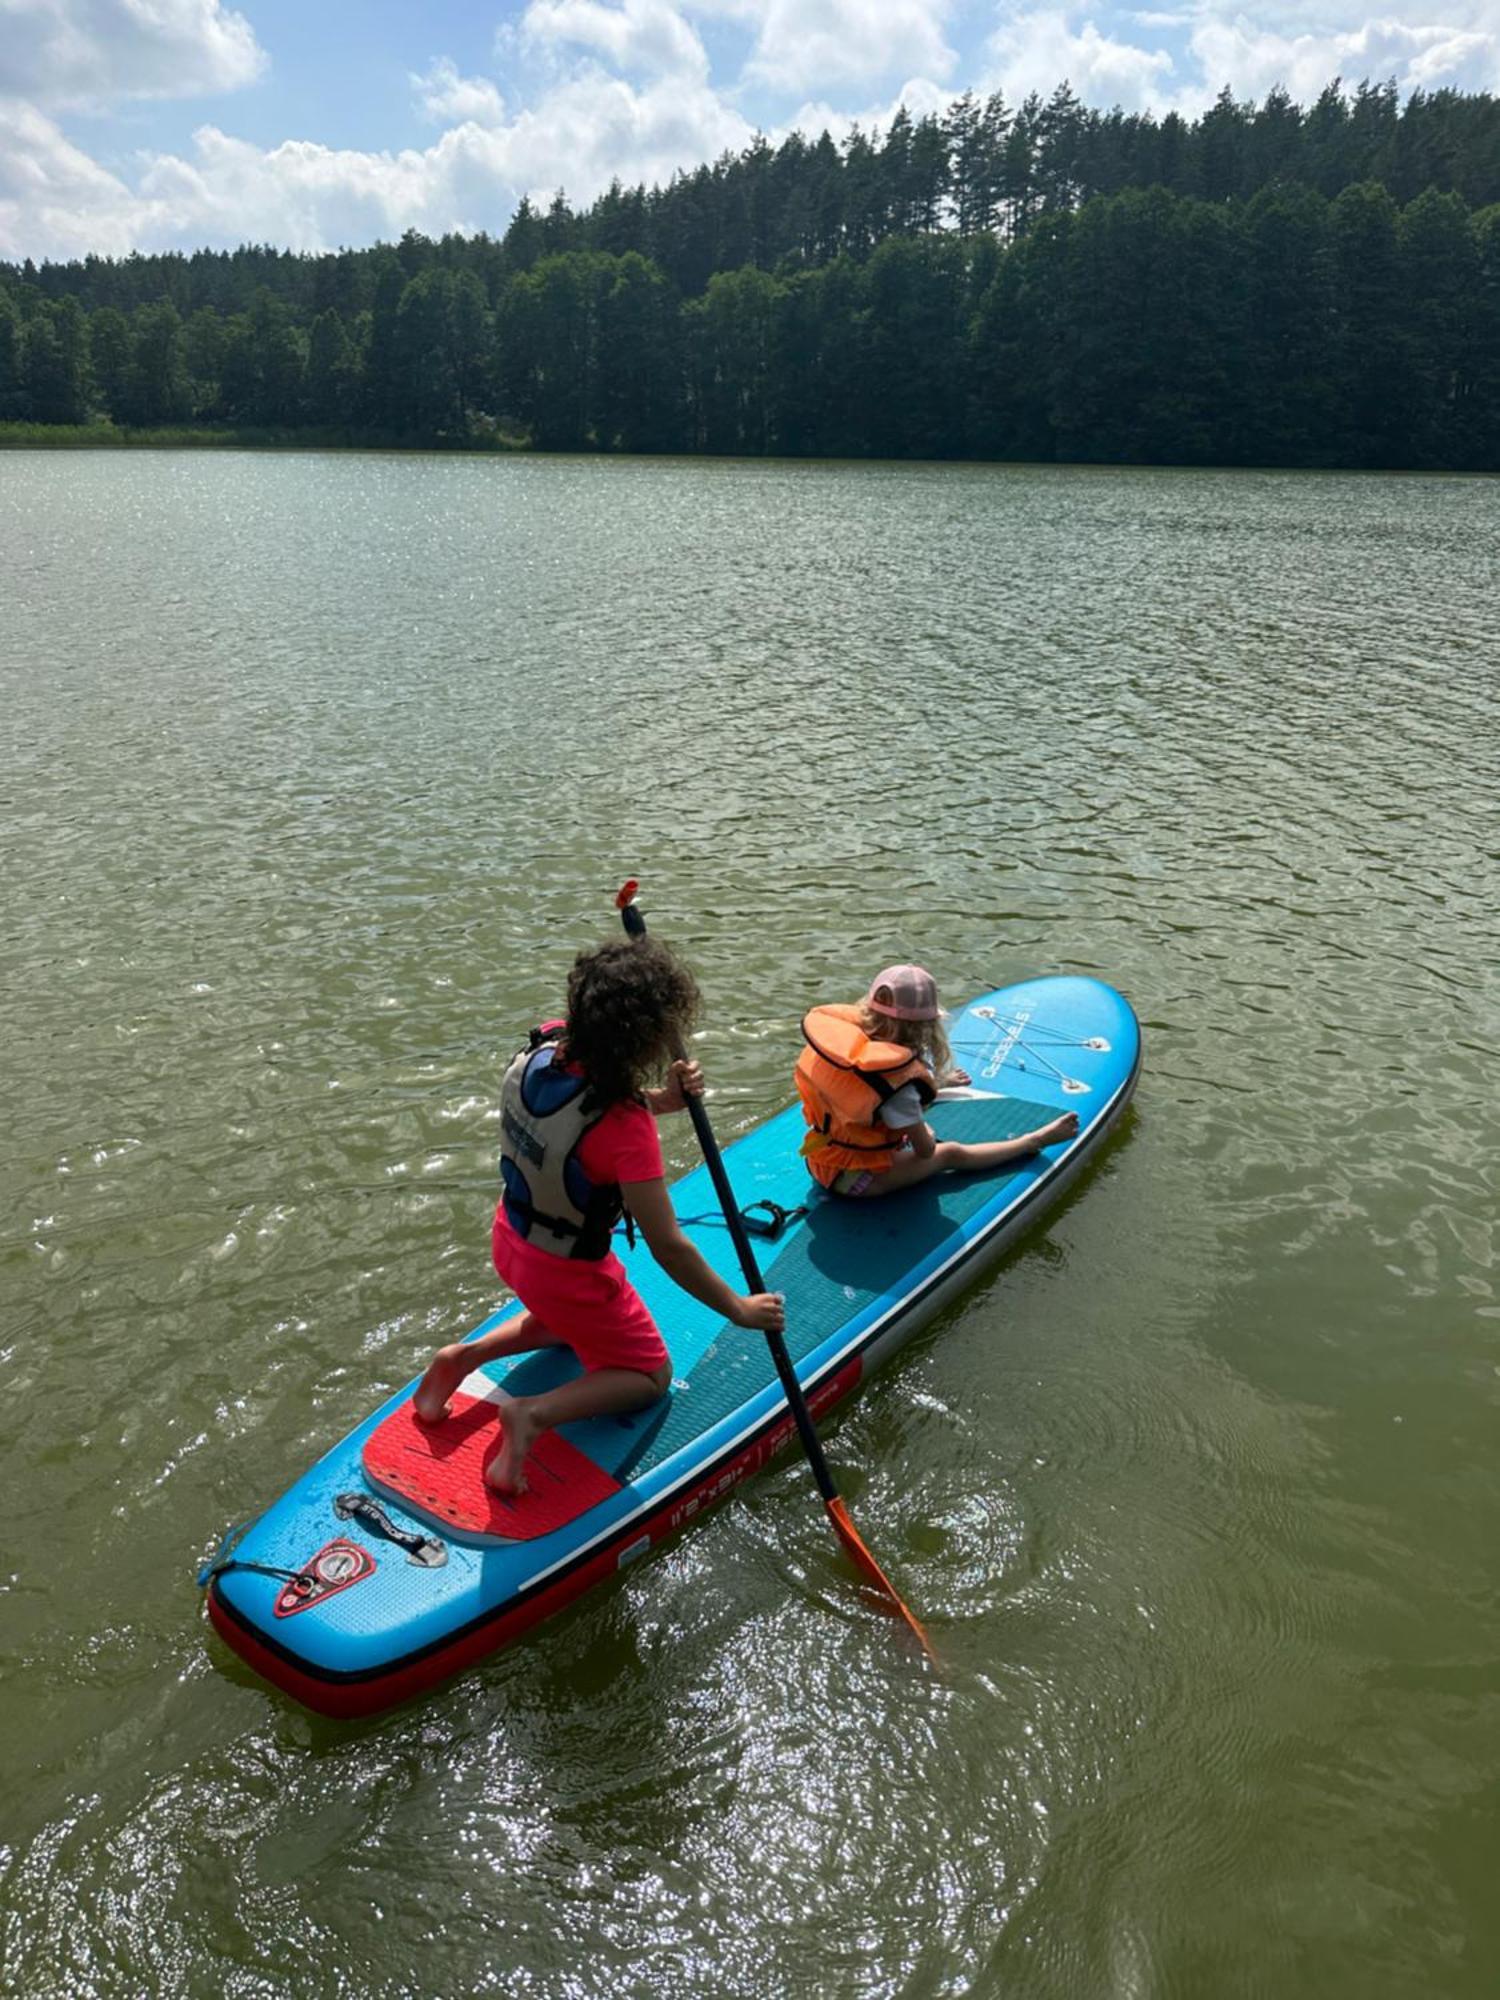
1265, 285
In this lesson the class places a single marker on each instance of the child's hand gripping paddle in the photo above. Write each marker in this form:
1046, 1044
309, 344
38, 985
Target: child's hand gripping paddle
848, 1534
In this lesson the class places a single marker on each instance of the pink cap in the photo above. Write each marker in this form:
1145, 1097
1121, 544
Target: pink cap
905, 992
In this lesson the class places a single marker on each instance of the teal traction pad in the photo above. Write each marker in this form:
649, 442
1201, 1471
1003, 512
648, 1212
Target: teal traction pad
843, 1256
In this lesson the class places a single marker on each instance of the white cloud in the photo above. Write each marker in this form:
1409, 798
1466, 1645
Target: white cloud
594, 127
804, 45
622, 88
309, 197
1038, 51
919, 94
639, 37
1251, 60
448, 98
61, 53
55, 202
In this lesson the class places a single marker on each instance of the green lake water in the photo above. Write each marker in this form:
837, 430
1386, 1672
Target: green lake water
314, 773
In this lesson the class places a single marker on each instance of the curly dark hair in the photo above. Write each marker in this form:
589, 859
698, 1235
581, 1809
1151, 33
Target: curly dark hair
628, 1001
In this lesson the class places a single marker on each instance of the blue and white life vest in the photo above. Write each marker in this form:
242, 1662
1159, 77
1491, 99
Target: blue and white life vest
545, 1112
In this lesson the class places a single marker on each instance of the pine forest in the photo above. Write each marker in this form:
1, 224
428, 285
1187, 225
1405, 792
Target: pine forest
1266, 285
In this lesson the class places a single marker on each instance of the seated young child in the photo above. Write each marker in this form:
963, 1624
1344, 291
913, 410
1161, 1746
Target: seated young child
866, 1078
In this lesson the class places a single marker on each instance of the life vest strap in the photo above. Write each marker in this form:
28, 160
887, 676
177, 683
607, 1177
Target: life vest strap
558, 1224
561, 1226
893, 1143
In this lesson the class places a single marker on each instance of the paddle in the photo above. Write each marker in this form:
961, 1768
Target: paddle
848, 1534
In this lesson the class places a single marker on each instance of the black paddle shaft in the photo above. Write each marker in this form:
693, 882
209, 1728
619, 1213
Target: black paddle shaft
635, 925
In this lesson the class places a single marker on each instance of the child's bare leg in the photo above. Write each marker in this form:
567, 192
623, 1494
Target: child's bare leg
995, 1152
451, 1364
950, 1156
904, 1172
607, 1392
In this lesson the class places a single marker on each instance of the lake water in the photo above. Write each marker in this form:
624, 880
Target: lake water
317, 770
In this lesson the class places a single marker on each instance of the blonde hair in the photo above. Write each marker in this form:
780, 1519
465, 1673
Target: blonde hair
927, 1039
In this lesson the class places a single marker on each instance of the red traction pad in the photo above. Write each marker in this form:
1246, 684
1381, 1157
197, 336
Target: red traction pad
438, 1470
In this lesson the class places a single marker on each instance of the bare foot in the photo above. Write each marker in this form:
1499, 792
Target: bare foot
1065, 1127
445, 1371
506, 1471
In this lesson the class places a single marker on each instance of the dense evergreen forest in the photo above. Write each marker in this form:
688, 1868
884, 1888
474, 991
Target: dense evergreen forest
1265, 285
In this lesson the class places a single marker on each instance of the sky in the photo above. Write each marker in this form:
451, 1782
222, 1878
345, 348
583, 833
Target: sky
312, 124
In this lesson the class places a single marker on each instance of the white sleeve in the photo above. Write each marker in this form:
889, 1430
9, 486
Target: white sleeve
902, 1108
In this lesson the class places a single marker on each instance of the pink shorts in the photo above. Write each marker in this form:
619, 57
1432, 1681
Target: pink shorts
588, 1302
853, 1181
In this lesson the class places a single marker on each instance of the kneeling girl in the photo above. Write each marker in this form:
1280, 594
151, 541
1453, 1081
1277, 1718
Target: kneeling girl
579, 1147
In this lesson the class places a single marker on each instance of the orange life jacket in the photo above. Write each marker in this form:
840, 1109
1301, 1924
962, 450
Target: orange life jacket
843, 1077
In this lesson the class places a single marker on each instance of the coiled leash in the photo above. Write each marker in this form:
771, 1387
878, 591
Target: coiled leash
302, 1581
773, 1221
425, 1550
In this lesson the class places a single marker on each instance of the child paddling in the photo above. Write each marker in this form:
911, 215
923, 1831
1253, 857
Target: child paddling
866, 1078
579, 1146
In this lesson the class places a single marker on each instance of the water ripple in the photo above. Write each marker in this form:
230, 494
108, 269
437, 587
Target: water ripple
319, 771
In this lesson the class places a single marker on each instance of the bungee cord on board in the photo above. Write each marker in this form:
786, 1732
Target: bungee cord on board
1018, 1032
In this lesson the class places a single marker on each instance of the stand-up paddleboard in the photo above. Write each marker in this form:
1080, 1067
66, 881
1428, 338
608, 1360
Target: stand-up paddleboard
392, 1564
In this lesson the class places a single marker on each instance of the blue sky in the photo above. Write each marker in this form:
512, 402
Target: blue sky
150, 124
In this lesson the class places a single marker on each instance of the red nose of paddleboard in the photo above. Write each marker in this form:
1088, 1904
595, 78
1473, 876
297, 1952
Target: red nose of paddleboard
628, 894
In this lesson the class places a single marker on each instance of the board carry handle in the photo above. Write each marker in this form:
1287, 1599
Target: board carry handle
635, 926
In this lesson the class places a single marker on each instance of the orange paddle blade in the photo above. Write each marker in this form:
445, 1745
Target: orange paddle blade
871, 1571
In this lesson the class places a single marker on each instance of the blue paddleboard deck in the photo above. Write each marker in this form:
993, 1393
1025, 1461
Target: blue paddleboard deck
859, 1277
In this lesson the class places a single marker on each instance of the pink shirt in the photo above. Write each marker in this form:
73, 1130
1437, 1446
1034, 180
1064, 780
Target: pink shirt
624, 1146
